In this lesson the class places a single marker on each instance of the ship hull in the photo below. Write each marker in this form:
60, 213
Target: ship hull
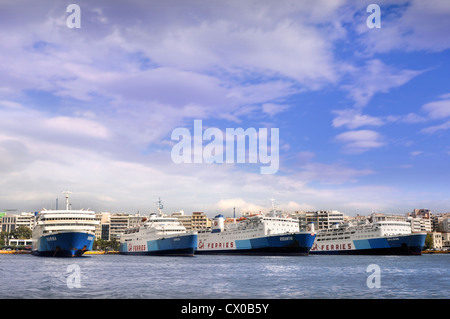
298, 244
396, 245
170, 246
64, 244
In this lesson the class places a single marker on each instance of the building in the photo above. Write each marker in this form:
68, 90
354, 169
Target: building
445, 241
200, 221
196, 221
423, 213
119, 222
320, 219
437, 240
20, 242
102, 228
445, 225
25, 219
324, 219
8, 223
419, 224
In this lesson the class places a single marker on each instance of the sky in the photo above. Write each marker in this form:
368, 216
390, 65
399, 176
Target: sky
363, 114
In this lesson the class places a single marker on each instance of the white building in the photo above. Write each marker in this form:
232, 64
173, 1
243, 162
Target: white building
437, 240
419, 224
25, 219
321, 219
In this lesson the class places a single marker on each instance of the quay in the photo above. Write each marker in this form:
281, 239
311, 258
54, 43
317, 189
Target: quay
13, 251
436, 252
95, 252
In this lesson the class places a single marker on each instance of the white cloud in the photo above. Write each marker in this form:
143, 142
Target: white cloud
75, 126
376, 77
360, 141
273, 109
352, 118
437, 109
436, 128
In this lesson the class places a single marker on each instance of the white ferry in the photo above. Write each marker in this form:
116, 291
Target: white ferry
256, 235
63, 233
158, 235
381, 235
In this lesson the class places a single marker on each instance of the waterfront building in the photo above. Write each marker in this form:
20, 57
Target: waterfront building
441, 222
25, 219
8, 222
117, 225
200, 221
423, 213
321, 219
196, 221
103, 219
446, 225
119, 222
20, 242
419, 224
445, 241
437, 240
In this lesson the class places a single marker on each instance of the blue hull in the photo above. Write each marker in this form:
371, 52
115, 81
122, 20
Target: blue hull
280, 245
70, 244
399, 245
173, 246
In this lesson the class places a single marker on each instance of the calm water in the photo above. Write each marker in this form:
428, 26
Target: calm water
117, 276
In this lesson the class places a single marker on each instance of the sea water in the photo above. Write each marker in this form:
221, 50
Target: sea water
206, 277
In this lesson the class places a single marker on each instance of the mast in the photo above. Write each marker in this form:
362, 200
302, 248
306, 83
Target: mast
273, 205
67, 193
160, 206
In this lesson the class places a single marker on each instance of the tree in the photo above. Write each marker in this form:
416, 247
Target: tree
428, 241
22, 232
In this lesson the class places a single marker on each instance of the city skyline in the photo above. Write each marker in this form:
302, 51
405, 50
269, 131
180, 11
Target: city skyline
363, 113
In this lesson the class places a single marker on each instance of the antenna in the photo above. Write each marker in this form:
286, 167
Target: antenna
67, 193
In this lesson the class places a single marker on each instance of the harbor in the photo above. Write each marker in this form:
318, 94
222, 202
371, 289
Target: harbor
73, 233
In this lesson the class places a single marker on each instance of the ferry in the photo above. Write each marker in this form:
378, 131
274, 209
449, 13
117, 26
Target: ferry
63, 233
378, 235
158, 235
270, 234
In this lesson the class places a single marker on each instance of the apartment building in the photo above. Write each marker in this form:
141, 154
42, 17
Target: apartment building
322, 219
196, 221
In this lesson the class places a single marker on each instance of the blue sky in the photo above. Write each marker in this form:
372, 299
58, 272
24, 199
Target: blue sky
363, 114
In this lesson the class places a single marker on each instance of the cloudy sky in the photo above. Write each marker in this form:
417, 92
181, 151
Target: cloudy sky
363, 113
